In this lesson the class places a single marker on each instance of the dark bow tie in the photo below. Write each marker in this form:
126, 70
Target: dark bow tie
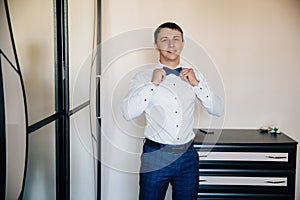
172, 71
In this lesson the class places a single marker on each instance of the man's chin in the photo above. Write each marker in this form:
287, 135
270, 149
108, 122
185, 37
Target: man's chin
172, 56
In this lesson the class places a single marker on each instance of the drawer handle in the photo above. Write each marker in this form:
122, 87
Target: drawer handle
275, 182
276, 157
203, 156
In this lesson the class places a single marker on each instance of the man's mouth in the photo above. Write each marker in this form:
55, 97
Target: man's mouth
172, 51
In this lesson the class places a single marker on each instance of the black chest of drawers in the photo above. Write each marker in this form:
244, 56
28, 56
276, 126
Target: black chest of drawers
246, 164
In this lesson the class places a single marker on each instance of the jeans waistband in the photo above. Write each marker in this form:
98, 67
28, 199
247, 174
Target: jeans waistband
169, 147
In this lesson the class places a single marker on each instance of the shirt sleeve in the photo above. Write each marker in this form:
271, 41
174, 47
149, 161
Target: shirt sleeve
212, 103
139, 96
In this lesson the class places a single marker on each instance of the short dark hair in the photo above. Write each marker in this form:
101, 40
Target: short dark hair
170, 25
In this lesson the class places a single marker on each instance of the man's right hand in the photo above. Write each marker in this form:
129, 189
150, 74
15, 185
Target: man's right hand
158, 76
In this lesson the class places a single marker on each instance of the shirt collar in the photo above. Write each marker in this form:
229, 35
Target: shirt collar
161, 65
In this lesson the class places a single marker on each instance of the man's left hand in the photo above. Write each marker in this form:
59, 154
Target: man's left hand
188, 75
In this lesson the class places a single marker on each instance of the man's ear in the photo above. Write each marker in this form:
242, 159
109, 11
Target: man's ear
155, 46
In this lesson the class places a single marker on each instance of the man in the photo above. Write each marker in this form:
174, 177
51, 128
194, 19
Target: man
166, 94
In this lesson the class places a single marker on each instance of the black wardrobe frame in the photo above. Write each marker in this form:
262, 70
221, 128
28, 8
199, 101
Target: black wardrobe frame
62, 106
2, 142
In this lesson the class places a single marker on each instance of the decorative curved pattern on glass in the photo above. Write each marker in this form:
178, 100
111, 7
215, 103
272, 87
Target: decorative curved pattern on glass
13, 111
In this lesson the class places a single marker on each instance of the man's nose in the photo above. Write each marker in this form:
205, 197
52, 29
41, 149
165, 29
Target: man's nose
171, 43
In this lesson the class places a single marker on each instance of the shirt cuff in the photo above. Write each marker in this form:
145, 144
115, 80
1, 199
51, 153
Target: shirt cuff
202, 90
148, 89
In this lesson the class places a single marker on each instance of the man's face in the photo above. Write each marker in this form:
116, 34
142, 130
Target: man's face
169, 44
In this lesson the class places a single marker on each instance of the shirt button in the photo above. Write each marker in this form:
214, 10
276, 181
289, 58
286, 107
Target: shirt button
174, 84
176, 112
145, 99
177, 126
178, 138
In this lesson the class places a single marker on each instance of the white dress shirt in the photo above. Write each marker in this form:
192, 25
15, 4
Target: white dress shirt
168, 107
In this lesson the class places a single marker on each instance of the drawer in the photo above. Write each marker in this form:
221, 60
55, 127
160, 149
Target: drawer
237, 196
243, 181
247, 181
244, 156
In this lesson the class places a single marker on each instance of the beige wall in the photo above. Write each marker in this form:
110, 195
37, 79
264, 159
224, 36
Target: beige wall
254, 45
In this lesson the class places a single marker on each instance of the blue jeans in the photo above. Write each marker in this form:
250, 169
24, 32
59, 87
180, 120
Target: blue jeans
160, 167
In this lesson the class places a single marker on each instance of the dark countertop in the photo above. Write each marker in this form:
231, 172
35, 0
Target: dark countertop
241, 136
